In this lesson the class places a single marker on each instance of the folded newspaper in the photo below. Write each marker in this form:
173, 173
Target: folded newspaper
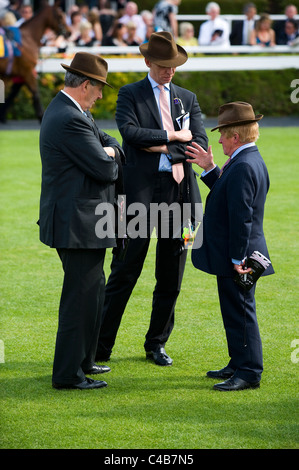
258, 264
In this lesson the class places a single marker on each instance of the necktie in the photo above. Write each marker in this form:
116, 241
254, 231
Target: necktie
177, 169
248, 33
226, 163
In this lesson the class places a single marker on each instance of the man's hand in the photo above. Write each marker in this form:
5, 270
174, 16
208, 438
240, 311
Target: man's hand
110, 151
184, 135
240, 269
202, 158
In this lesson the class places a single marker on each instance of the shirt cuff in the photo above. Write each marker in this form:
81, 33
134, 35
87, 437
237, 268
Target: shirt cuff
204, 173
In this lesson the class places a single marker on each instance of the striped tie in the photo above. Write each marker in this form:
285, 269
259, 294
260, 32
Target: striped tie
177, 169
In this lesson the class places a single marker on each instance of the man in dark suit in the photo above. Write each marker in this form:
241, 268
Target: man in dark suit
291, 13
79, 171
155, 152
290, 34
232, 230
241, 30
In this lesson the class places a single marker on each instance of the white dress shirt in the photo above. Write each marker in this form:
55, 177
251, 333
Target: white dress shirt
207, 29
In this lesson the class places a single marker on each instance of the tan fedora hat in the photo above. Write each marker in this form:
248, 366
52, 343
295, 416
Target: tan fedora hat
236, 113
161, 49
89, 65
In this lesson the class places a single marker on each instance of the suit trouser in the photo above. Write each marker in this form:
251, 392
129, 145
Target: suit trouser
80, 311
170, 264
242, 332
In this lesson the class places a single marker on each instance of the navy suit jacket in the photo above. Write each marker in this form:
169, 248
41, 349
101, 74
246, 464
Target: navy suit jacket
139, 123
232, 226
77, 175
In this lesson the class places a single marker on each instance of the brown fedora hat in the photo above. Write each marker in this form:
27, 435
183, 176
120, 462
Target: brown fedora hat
161, 49
236, 113
89, 65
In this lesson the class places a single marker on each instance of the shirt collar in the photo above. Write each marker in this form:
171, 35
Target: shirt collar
243, 147
73, 100
155, 84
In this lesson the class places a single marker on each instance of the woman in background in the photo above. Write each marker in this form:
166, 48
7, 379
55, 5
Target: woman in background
263, 34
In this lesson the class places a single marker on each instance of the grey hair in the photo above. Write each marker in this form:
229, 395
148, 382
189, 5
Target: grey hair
211, 5
73, 80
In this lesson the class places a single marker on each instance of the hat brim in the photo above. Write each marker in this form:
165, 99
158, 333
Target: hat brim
258, 117
86, 74
180, 59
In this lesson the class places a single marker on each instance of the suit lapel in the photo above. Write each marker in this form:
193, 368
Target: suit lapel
176, 110
147, 95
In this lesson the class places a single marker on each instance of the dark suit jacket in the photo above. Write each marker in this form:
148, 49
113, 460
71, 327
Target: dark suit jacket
139, 123
233, 221
77, 175
236, 35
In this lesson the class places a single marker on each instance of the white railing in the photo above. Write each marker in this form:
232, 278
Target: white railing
134, 50
231, 58
206, 64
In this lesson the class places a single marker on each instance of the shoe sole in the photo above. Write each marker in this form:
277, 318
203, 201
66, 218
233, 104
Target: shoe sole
251, 387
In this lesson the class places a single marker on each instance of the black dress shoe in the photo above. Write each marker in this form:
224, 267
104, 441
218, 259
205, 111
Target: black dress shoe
160, 357
235, 384
87, 384
97, 370
224, 373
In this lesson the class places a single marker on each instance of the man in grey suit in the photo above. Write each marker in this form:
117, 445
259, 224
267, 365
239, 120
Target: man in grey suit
155, 154
79, 171
232, 231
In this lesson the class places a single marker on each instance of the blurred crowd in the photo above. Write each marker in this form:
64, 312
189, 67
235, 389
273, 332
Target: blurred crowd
121, 23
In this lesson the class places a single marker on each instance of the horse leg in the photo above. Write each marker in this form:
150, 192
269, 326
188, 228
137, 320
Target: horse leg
15, 88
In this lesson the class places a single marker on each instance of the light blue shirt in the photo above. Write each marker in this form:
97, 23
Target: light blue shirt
164, 164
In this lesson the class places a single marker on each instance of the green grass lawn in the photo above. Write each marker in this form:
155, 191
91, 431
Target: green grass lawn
146, 406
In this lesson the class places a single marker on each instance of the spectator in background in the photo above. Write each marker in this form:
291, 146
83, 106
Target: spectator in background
76, 20
290, 33
215, 31
279, 26
51, 39
26, 12
97, 33
116, 38
120, 6
71, 10
263, 35
131, 14
241, 30
86, 38
107, 17
148, 19
130, 36
165, 16
186, 37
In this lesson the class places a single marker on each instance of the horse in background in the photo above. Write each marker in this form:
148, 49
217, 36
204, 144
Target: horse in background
22, 70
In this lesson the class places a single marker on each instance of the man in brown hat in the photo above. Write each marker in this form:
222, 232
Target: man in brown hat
232, 231
79, 171
155, 134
